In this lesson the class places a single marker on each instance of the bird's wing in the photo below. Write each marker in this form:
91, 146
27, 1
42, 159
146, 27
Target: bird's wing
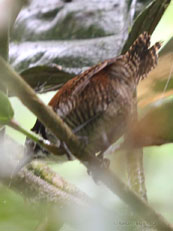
78, 83
83, 79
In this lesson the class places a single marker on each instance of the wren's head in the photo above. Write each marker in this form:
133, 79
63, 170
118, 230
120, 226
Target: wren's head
97, 104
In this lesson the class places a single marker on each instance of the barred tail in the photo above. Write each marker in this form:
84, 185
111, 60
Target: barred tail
142, 58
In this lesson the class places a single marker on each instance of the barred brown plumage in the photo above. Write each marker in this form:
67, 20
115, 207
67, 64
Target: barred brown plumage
98, 103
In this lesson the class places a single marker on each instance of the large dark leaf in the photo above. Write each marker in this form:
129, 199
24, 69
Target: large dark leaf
46, 78
93, 31
42, 20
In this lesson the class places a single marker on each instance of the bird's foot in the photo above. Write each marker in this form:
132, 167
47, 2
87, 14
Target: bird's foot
92, 170
105, 163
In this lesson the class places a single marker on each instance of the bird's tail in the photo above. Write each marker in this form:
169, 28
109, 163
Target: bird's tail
142, 58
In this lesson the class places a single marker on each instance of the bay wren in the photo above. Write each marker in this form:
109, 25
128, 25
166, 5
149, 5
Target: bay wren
98, 103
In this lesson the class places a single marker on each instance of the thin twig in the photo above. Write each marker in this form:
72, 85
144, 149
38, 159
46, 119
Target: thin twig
39, 189
40, 173
45, 173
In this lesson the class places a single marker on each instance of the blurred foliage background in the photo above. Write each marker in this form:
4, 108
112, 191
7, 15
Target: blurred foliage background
18, 214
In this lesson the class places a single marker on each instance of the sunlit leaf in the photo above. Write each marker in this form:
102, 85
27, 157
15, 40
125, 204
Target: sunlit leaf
6, 110
159, 82
156, 126
167, 48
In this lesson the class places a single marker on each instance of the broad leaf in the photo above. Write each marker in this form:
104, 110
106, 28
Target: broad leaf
6, 110
156, 126
159, 83
46, 78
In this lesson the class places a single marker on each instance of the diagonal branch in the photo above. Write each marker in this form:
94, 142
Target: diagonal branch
53, 122
38, 181
39, 189
45, 173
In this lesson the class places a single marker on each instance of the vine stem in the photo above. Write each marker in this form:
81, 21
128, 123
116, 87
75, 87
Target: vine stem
43, 143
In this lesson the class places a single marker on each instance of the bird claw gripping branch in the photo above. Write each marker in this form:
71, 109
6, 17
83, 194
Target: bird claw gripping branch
98, 103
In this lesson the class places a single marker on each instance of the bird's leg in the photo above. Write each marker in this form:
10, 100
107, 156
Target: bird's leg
104, 161
67, 151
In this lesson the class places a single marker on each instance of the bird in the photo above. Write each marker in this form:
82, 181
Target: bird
98, 104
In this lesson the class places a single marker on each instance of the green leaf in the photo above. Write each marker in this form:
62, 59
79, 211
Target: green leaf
6, 110
158, 84
156, 126
147, 20
158, 122
167, 48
